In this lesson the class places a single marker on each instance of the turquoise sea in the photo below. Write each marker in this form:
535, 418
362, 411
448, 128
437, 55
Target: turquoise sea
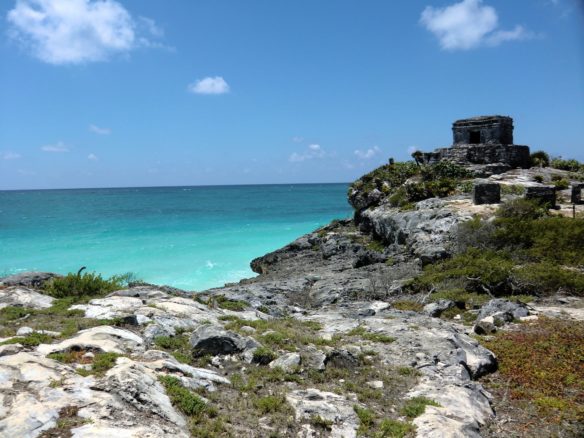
193, 238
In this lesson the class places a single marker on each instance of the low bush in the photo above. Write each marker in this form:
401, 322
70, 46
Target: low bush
414, 407
263, 356
570, 165
79, 285
187, 402
540, 159
541, 365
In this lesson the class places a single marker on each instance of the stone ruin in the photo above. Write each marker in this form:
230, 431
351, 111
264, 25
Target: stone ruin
577, 193
486, 192
484, 145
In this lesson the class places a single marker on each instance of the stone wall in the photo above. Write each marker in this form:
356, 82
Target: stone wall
509, 154
488, 129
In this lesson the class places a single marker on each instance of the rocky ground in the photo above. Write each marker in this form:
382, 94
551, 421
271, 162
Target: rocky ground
324, 342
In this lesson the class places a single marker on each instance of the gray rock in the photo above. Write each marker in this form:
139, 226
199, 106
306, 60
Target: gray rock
331, 407
508, 310
485, 326
436, 309
312, 358
21, 296
341, 359
288, 362
543, 194
215, 340
28, 279
485, 192
10, 349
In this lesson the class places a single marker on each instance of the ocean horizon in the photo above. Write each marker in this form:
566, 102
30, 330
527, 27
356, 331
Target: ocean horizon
190, 237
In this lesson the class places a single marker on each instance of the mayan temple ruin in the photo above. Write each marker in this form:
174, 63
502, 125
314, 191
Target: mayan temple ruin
485, 144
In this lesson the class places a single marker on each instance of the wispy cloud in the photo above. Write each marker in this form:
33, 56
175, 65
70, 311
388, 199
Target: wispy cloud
297, 139
469, 24
312, 151
78, 31
10, 155
92, 157
367, 154
58, 147
100, 131
209, 85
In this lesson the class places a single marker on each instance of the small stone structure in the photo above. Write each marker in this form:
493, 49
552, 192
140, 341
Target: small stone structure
543, 194
484, 144
577, 193
486, 192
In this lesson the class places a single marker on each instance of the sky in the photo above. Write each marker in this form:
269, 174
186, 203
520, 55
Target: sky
118, 93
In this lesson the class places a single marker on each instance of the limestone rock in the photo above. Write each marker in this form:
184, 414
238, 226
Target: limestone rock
138, 387
331, 407
214, 340
313, 358
28, 279
436, 309
102, 338
485, 326
341, 359
23, 297
508, 310
288, 362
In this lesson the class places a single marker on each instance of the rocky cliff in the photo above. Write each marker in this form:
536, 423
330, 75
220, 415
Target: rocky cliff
328, 340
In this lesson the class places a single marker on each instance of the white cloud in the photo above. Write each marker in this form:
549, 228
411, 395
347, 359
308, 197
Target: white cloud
209, 85
297, 139
92, 157
313, 151
101, 131
58, 147
10, 155
467, 25
77, 31
368, 153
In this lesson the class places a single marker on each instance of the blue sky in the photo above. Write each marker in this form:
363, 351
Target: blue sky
169, 92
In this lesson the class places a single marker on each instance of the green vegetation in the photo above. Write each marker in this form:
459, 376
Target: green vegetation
394, 429
408, 182
283, 333
229, 304
570, 165
407, 305
185, 401
86, 284
416, 406
263, 355
362, 332
31, 340
321, 423
100, 363
540, 159
540, 364
524, 251
272, 403
177, 345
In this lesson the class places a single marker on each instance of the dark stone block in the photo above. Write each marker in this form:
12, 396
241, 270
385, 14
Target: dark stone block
486, 193
577, 193
542, 194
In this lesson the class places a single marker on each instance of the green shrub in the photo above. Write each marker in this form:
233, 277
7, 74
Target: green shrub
394, 429
514, 189
570, 165
270, 404
366, 418
547, 278
187, 402
562, 184
479, 271
521, 209
229, 304
538, 178
10, 313
79, 285
414, 407
263, 355
540, 159
32, 340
